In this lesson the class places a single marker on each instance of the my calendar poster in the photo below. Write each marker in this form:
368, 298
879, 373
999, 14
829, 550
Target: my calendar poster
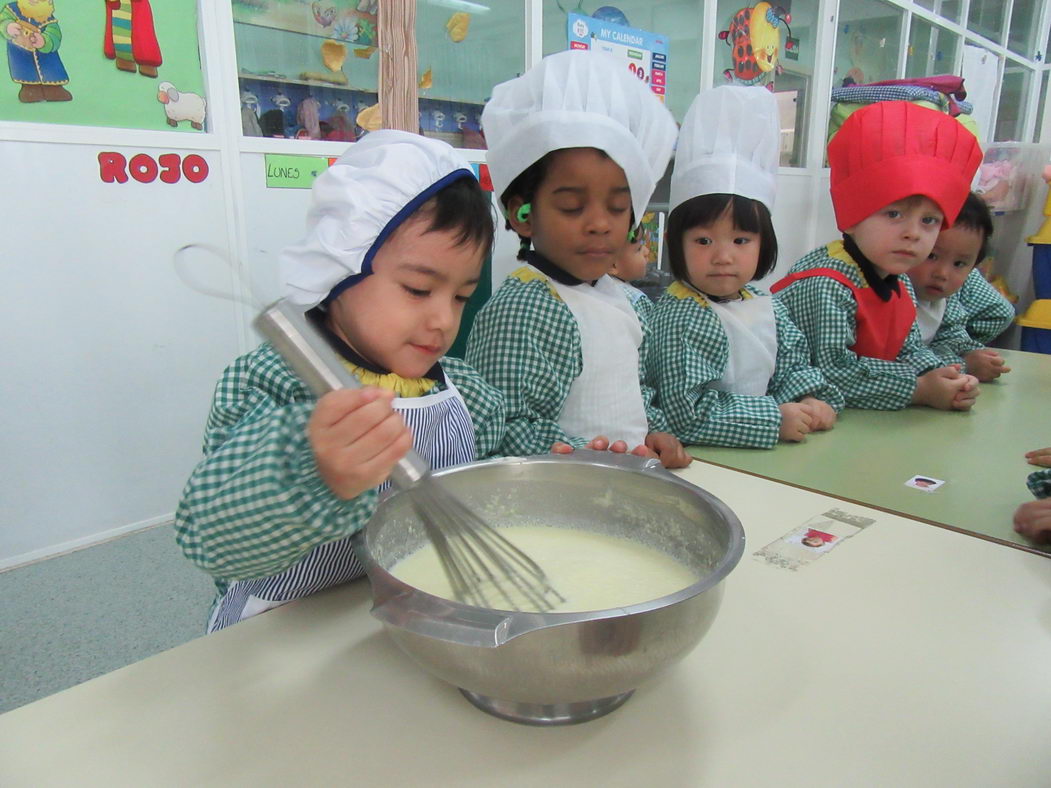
644, 54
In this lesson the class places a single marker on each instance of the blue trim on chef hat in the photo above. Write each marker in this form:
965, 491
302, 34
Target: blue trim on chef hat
396, 221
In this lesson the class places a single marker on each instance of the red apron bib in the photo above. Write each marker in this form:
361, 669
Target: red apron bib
881, 327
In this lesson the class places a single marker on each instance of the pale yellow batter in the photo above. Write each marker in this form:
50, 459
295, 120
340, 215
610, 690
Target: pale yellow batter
592, 571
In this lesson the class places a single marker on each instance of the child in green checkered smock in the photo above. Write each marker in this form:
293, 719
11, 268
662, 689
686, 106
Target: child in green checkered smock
989, 314
729, 366
1033, 520
629, 266
899, 172
940, 313
398, 230
576, 146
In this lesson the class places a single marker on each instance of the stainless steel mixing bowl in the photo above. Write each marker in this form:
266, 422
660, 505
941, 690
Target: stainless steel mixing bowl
555, 668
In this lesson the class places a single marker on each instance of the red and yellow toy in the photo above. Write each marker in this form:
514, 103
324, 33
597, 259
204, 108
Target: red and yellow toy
754, 37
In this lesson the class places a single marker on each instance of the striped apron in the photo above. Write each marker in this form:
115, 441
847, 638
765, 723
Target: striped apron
442, 433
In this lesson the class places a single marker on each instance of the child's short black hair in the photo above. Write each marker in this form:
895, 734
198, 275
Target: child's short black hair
975, 215
749, 215
524, 187
465, 207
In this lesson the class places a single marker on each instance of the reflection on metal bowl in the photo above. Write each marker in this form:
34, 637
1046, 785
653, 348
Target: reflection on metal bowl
556, 668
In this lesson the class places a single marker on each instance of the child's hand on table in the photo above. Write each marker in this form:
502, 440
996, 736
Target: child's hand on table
662, 446
668, 449
1039, 457
986, 364
946, 388
823, 415
1033, 520
357, 438
797, 420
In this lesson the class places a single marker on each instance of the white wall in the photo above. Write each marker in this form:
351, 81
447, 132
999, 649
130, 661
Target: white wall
109, 359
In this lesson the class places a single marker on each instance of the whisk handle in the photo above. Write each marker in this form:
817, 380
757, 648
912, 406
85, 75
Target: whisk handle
306, 351
316, 363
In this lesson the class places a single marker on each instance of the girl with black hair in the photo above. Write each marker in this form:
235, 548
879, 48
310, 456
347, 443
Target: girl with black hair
729, 366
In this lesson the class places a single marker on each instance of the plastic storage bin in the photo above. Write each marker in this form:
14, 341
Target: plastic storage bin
1036, 327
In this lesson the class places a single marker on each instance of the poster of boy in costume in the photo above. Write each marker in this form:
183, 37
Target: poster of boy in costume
130, 39
33, 39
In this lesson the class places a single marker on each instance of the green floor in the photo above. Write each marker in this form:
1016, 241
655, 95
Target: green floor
71, 618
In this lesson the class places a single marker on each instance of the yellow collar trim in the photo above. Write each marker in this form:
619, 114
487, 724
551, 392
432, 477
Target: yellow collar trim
678, 289
837, 251
402, 387
526, 274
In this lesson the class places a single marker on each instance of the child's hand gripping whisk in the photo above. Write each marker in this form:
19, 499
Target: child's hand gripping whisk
483, 567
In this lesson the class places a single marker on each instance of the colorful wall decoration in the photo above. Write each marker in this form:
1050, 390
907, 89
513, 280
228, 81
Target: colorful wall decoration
117, 63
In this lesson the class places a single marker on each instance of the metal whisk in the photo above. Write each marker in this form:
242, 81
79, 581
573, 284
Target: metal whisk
483, 567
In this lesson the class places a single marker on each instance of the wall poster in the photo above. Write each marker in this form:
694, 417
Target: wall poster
116, 63
644, 54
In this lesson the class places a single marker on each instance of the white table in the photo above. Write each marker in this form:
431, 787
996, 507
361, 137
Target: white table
909, 655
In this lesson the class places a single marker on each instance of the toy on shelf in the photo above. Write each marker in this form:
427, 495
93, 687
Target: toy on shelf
1043, 235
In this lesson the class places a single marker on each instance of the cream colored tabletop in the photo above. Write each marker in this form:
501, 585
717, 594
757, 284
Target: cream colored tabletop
907, 656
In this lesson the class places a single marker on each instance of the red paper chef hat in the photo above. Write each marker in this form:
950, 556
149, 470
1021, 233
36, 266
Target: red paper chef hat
891, 150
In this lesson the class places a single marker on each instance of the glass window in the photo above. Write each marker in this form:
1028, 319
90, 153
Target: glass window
986, 18
774, 48
677, 21
304, 73
1021, 36
948, 9
463, 49
867, 41
1010, 110
932, 50
1042, 106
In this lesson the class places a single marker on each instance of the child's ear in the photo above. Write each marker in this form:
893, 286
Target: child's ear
520, 221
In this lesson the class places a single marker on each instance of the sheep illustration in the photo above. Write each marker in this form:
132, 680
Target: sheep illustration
181, 106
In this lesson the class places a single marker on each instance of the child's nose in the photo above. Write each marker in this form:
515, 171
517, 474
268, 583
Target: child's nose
598, 220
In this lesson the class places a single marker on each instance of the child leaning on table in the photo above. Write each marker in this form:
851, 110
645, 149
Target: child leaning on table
729, 366
576, 146
396, 234
940, 312
900, 172
1033, 520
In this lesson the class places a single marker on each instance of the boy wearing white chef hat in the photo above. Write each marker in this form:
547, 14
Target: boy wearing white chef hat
396, 234
729, 366
576, 146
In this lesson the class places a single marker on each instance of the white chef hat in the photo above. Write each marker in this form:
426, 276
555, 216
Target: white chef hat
728, 144
579, 99
357, 203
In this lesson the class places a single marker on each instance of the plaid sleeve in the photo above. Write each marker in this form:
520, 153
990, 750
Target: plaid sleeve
825, 311
988, 312
1039, 483
951, 342
485, 404
794, 376
525, 342
690, 354
656, 419
255, 504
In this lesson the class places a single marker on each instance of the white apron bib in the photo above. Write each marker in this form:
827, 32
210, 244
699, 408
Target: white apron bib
751, 338
442, 433
606, 398
929, 315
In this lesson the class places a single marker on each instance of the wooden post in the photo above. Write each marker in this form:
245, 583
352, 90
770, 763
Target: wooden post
399, 104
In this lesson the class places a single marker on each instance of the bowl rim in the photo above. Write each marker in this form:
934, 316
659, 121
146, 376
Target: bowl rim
430, 604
